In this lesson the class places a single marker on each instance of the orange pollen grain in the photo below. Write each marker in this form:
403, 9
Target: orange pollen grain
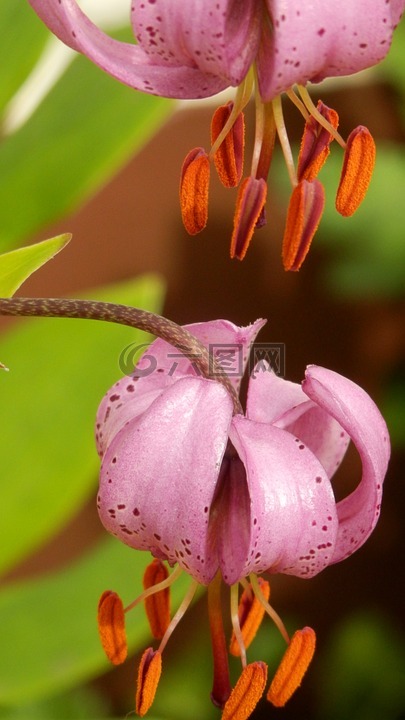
149, 672
194, 187
228, 158
293, 666
357, 170
157, 606
246, 693
250, 612
111, 627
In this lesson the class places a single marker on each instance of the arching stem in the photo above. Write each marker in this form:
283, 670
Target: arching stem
163, 328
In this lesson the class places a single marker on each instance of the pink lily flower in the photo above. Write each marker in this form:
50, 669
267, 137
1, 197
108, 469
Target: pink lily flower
231, 496
197, 48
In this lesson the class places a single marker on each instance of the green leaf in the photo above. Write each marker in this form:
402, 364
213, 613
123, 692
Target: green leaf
49, 632
17, 265
23, 37
83, 131
59, 371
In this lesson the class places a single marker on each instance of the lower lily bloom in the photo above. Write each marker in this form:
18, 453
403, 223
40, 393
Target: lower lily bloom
197, 48
226, 496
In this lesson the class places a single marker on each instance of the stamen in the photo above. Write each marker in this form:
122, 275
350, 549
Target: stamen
315, 143
318, 116
250, 615
293, 666
156, 588
228, 158
304, 213
246, 693
194, 187
150, 669
157, 606
283, 137
249, 205
265, 136
242, 97
268, 608
298, 103
357, 170
111, 627
179, 614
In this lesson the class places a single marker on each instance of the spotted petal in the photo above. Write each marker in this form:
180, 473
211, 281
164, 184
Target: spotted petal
358, 415
272, 399
293, 521
159, 475
186, 50
309, 41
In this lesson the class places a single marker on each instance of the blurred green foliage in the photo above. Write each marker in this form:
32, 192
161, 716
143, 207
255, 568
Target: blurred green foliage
86, 115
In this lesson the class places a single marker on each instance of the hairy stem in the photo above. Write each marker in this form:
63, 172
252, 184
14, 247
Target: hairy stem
157, 325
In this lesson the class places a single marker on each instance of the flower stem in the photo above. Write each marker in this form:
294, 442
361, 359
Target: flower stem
163, 328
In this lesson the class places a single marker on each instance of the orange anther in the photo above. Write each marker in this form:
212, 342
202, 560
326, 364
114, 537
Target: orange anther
357, 169
157, 606
249, 205
246, 693
194, 186
111, 627
250, 612
315, 143
293, 666
228, 158
149, 671
304, 213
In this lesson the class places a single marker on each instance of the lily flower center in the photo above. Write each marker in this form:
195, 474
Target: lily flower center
307, 199
247, 611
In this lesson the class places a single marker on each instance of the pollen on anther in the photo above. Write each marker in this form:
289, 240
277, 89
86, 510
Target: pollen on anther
150, 669
358, 166
194, 187
228, 158
246, 693
293, 666
111, 627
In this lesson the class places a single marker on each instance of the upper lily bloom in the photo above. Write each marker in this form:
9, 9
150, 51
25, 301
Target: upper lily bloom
227, 496
197, 48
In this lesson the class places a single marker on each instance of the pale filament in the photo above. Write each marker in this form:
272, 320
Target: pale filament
179, 614
284, 142
156, 588
236, 624
269, 609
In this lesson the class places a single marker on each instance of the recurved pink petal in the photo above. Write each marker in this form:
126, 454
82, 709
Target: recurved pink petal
127, 62
358, 415
283, 403
159, 475
313, 40
218, 37
293, 521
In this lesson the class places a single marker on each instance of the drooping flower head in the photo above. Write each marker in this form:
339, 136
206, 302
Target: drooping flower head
197, 48
226, 496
